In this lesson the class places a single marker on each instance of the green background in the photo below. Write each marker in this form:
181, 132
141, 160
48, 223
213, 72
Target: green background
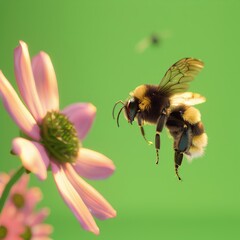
92, 46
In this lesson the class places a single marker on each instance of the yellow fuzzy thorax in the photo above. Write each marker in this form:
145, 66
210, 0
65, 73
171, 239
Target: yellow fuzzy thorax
145, 104
140, 93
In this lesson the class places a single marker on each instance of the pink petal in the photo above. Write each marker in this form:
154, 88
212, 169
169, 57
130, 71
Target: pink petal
25, 81
46, 82
82, 116
4, 178
72, 199
12, 221
93, 165
41, 238
20, 115
33, 197
96, 203
21, 185
41, 231
33, 156
38, 218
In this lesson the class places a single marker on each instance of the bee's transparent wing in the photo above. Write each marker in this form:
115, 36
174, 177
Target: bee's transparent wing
178, 76
187, 98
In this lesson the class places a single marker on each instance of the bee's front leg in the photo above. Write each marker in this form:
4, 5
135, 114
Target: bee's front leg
161, 121
140, 124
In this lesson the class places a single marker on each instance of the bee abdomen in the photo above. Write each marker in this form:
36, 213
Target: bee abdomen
199, 137
197, 147
200, 140
191, 115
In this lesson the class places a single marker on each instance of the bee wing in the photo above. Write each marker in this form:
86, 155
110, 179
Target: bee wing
187, 98
178, 76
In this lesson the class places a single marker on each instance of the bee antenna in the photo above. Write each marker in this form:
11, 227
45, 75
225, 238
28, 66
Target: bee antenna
120, 101
119, 115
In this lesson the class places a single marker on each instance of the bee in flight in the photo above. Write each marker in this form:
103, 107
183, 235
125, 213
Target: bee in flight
153, 40
168, 104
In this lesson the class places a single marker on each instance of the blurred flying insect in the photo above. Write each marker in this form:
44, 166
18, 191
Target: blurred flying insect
155, 39
168, 104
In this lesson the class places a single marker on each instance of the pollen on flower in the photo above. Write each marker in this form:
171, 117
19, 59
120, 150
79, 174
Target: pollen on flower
18, 200
3, 232
27, 233
51, 141
59, 136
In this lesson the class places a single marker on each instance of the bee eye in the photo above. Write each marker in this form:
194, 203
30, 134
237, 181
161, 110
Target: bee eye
132, 109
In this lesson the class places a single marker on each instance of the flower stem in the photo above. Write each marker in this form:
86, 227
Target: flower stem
16, 176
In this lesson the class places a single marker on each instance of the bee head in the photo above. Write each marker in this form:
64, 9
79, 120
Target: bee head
131, 109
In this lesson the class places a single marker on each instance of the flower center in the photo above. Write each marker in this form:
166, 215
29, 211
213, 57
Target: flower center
27, 235
18, 200
59, 136
3, 232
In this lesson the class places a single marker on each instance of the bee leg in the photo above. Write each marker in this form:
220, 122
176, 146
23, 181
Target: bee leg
160, 124
178, 161
182, 145
140, 124
184, 141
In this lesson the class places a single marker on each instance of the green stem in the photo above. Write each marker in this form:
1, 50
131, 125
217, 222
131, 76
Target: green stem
16, 176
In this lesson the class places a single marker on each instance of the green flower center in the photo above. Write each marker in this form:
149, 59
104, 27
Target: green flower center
27, 235
59, 136
18, 200
3, 232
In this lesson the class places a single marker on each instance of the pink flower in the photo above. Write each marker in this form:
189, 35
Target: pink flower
19, 220
54, 138
35, 229
11, 225
4, 178
22, 197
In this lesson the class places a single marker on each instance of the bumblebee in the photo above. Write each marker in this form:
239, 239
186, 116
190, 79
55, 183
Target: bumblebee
169, 105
